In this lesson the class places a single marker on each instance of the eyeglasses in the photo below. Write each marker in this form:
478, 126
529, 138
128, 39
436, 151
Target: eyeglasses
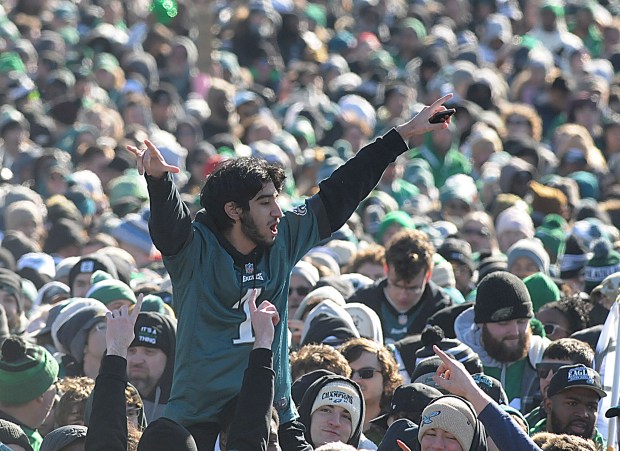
365, 373
410, 290
543, 368
551, 329
302, 291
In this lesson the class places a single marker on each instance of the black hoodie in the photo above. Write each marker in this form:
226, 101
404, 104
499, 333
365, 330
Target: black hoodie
155, 330
308, 400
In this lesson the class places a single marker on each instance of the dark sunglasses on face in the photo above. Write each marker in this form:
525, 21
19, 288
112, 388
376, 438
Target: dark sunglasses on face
542, 368
302, 291
365, 373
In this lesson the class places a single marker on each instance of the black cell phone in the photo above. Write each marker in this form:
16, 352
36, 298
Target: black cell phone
441, 116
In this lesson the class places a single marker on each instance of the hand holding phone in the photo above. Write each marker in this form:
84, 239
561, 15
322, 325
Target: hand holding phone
441, 116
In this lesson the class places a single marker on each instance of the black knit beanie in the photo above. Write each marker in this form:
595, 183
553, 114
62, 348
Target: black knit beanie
165, 434
502, 296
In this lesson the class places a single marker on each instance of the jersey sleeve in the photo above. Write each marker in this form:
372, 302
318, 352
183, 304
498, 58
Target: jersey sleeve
170, 222
299, 232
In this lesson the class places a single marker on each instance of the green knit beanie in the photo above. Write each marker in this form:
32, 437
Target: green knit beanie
542, 290
394, 217
109, 290
26, 371
553, 236
604, 262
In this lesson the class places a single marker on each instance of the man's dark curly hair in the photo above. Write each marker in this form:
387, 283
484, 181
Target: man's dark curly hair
237, 180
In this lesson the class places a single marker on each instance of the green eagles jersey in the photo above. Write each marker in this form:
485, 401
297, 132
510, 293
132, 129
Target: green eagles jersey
214, 333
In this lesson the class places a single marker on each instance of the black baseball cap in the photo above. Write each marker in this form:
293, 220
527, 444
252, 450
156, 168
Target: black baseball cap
408, 398
573, 376
491, 387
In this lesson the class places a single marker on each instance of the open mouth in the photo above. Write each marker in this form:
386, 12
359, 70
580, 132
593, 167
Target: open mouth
274, 228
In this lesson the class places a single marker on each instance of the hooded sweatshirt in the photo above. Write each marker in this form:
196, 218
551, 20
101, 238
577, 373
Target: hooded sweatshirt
328, 323
305, 408
518, 378
154, 330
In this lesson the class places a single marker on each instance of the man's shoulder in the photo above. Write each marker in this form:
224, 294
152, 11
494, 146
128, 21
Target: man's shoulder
436, 295
371, 295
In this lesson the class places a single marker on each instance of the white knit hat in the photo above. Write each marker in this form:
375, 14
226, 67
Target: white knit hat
452, 415
341, 394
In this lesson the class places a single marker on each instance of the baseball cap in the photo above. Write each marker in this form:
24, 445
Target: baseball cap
575, 376
408, 398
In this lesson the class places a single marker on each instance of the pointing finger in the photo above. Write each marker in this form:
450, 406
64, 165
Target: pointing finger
137, 308
440, 101
252, 300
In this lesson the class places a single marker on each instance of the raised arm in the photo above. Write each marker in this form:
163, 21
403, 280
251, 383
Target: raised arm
342, 192
170, 223
453, 376
250, 427
107, 428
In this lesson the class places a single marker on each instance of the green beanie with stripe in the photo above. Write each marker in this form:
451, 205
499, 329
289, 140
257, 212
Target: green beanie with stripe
26, 371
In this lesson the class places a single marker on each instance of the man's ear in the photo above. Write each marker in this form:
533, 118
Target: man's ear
547, 405
232, 210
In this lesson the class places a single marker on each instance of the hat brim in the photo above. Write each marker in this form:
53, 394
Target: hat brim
612, 412
600, 392
381, 420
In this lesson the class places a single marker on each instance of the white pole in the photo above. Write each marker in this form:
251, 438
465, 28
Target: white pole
611, 430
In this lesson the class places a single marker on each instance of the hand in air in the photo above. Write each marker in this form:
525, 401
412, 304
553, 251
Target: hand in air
264, 319
151, 161
419, 124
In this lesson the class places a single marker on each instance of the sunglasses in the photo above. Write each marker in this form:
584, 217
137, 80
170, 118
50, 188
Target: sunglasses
542, 368
302, 291
365, 373
551, 329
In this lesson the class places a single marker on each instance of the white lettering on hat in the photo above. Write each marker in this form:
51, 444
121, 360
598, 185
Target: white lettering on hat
148, 335
580, 374
87, 266
337, 397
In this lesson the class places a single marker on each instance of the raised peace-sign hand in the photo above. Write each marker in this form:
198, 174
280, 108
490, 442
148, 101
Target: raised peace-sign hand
264, 319
151, 161
120, 328
419, 124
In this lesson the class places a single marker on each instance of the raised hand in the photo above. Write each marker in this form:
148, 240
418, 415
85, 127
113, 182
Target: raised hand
120, 328
151, 161
419, 124
264, 319
452, 376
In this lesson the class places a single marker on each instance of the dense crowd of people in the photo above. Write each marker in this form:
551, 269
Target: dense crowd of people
237, 225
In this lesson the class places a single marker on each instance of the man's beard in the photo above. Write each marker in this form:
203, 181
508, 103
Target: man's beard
250, 229
503, 352
556, 427
143, 383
